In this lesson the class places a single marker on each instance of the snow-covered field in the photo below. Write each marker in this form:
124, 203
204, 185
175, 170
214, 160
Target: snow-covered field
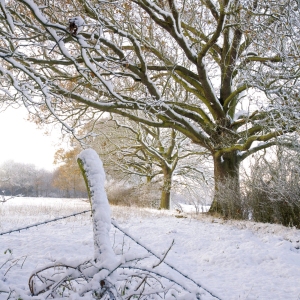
232, 259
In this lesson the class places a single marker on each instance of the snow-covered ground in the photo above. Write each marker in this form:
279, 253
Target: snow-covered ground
232, 259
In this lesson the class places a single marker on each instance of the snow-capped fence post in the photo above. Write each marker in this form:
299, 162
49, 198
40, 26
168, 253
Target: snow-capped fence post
94, 176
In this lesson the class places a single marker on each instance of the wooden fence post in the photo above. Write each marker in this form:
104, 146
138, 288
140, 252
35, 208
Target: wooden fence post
94, 176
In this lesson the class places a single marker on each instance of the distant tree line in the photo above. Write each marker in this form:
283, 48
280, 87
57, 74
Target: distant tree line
30, 181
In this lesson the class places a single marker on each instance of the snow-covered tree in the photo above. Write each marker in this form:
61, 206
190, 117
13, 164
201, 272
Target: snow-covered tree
67, 176
26, 179
19, 177
236, 60
131, 151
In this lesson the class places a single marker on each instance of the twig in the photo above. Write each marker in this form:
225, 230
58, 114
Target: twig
6, 263
15, 262
164, 255
56, 43
149, 271
23, 262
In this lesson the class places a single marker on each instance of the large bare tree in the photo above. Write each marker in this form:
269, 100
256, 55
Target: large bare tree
236, 60
156, 155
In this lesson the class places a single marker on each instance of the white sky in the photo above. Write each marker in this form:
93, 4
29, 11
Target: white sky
22, 141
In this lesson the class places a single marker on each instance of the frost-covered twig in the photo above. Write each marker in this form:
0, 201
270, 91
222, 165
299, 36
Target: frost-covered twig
165, 255
127, 280
13, 262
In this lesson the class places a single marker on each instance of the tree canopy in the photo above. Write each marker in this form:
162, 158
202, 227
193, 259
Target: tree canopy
223, 73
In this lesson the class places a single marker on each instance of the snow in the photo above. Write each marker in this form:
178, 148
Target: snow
240, 113
93, 167
232, 259
7, 15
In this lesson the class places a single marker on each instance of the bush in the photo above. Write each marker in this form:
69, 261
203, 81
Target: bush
144, 195
272, 192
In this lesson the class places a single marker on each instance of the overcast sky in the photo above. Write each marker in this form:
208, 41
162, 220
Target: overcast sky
21, 141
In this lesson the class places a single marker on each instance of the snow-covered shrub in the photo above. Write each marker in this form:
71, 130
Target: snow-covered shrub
93, 280
199, 198
143, 195
120, 194
272, 191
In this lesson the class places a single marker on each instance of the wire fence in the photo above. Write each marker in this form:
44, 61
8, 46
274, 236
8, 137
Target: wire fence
44, 222
162, 260
114, 223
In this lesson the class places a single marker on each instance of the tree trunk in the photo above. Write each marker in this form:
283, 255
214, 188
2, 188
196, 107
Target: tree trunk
165, 199
227, 198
